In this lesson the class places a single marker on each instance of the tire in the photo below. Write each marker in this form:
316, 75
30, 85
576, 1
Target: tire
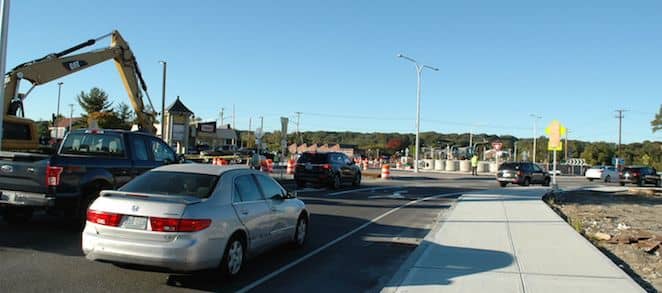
622, 183
526, 182
546, 182
607, 179
640, 182
335, 182
590, 179
301, 232
234, 257
658, 183
503, 184
357, 179
17, 215
301, 184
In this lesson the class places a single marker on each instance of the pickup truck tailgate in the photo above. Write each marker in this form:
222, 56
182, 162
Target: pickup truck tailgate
23, 172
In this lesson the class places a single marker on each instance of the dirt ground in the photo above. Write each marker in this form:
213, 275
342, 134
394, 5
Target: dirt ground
626, 226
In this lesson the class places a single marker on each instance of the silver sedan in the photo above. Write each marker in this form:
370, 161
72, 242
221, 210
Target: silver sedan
193, 216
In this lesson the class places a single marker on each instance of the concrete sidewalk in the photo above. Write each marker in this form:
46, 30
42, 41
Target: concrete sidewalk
507, 240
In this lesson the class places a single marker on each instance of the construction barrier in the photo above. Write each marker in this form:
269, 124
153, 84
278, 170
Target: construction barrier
290, 167
386, 171
365, 164
270, 166
398, 165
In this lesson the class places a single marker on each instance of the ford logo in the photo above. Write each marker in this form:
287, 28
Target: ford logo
7, 169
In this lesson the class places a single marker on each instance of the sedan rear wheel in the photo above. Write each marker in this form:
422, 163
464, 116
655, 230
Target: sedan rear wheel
233, 259
301, 231
357, 179
503, 184
607, 179
546, 183
526, 182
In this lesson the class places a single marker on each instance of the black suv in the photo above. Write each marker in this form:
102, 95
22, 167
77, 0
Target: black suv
332, 169
522, 173
640, 176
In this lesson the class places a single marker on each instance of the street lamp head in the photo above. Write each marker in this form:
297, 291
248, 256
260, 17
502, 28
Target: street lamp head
60, 83
162, 61
399, 55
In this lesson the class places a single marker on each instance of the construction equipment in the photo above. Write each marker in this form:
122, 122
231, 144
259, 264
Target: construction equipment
20, 134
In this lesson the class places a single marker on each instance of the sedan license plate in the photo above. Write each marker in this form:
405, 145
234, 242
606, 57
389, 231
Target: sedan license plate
133, 222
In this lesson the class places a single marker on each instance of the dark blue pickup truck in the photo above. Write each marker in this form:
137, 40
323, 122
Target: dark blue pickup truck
86, 162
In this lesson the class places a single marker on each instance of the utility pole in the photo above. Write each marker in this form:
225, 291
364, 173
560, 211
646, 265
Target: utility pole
535, 129
4, 29
222, 118
59, 91
71, 114
620, 123
298, 120
233, 116
566, 144
250, 120
163, 95
262, 123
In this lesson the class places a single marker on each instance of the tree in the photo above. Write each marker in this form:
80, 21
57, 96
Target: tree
657, 122
94, 101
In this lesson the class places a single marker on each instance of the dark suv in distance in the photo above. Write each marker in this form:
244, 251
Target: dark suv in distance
331, 169
640, 176
522, 173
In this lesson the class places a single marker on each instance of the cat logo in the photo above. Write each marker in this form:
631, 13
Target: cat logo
74, 65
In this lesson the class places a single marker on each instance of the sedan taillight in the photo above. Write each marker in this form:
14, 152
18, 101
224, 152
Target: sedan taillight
103, 218
178, 225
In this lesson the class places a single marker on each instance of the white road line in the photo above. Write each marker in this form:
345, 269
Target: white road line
363, 189
332, 242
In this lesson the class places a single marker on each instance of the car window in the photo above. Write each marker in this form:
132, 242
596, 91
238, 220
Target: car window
269, 187
173, 183
98, 144
161, 151
509, 166
313, 158
337, 159
245, 189
536, 168
139, 149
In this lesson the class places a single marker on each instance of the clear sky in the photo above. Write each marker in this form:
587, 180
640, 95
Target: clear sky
335, 61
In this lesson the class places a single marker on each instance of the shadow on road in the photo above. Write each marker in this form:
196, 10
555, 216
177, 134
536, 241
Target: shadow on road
43, 233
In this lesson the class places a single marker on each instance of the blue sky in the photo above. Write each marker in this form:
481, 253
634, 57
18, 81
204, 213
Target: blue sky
499, 61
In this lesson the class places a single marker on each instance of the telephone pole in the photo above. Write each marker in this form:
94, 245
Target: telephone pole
71, 115
566, 144
620, 123
222, 118
298, 120
233, 115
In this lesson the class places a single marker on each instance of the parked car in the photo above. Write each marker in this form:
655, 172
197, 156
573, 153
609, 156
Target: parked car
640, 175
602, 173
331, 169
522, 173
87, 162
191, 217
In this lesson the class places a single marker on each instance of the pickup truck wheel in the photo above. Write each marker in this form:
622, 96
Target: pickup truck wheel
17, 215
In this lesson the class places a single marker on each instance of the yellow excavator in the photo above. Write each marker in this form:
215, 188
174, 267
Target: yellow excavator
20, 134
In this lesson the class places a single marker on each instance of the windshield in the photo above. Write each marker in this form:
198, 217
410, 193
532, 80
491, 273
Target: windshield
313, 158
173, 183
509, 166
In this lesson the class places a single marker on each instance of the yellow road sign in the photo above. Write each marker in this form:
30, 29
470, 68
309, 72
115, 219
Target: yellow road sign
555, 130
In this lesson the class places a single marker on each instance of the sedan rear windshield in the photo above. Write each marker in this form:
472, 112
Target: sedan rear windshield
173, 183
509, 166
313, 158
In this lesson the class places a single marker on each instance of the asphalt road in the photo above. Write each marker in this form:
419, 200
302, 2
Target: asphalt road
357, 240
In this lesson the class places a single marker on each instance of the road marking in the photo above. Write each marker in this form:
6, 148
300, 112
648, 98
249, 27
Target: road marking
371, 189
332, 242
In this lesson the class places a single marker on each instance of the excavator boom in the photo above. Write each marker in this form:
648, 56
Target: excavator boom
20, 135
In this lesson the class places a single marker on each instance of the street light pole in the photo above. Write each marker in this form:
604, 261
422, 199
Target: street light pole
419, 70
535, 128
59, 91
163, 95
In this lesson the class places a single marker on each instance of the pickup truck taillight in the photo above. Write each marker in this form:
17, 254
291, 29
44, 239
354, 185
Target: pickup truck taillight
519, 173
53, 175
